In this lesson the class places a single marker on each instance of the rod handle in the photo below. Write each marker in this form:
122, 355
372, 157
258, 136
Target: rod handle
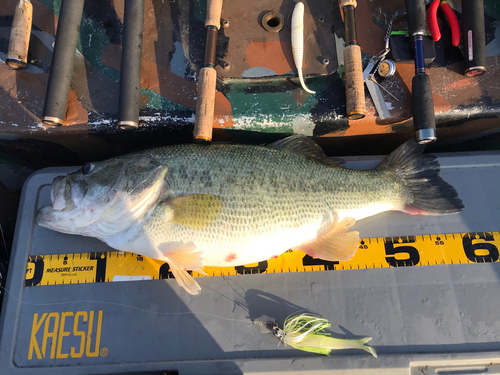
214, 11
344, 3
473, 37
415, 13
424, 121
17, 55
130, 65
205, 105
354, 84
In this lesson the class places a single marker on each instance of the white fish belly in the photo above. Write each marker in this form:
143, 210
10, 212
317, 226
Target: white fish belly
367, 211
269, 245
257, 248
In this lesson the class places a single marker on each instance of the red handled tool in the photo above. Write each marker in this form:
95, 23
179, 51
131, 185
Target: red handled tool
452, 20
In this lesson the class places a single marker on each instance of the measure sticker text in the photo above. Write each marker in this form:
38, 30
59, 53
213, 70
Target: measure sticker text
69, 269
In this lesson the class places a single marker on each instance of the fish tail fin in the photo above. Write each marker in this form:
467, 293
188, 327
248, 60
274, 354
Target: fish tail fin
424, 191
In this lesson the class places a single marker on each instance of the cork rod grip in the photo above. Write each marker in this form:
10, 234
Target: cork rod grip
214, 10
205, 105
17, 56
354, 85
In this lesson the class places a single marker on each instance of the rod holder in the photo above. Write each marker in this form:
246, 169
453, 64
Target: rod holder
130, 69
68, 29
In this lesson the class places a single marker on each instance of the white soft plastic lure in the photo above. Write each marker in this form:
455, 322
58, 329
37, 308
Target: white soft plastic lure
298, 42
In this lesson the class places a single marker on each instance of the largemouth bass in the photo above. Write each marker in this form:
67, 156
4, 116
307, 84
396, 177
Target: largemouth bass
228, 205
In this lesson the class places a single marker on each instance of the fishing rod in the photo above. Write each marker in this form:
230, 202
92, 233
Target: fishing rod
130, 70
354, 84
63, 56
424, 121
205, 103
17, 55
473, 37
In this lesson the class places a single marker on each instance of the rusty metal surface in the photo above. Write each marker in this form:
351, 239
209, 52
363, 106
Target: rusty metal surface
253, 51
248, 108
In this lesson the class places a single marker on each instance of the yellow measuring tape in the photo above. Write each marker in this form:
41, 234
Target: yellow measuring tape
428, 250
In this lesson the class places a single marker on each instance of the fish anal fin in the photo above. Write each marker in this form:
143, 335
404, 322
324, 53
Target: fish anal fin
195, 210
336, 244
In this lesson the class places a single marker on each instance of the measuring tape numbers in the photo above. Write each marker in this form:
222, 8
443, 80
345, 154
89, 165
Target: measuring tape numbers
382, 252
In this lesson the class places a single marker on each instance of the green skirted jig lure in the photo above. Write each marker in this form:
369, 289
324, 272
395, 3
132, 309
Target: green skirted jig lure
307, 332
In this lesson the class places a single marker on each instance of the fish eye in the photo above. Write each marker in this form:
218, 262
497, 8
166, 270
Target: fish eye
87, 168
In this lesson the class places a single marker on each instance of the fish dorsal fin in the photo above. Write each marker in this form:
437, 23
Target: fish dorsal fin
336, 244
195, 210
300, 144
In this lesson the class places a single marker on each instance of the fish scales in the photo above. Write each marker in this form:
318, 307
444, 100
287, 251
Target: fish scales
257, 172
228, 205
267, 195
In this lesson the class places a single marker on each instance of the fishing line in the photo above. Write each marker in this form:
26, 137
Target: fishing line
4, 242
124, 305
296, 330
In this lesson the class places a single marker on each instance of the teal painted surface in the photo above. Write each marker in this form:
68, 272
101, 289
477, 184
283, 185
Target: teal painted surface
92, 43
274, 112
199, 10
492, 8
157, 101
267, 112
53, 5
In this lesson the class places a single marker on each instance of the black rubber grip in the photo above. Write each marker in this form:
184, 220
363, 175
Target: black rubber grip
61, 69
130, 69
415, 12
422, 103
473, 34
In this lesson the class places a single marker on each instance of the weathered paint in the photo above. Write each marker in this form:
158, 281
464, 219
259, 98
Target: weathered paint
172, 54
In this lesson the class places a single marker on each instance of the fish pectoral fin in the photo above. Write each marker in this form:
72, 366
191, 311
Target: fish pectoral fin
179, 260
186, 258
201, 271
195, 210
336, 244
184, 279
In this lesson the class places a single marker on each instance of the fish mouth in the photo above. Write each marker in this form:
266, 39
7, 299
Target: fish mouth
46, 217
64, 221
81, 205
65, 195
